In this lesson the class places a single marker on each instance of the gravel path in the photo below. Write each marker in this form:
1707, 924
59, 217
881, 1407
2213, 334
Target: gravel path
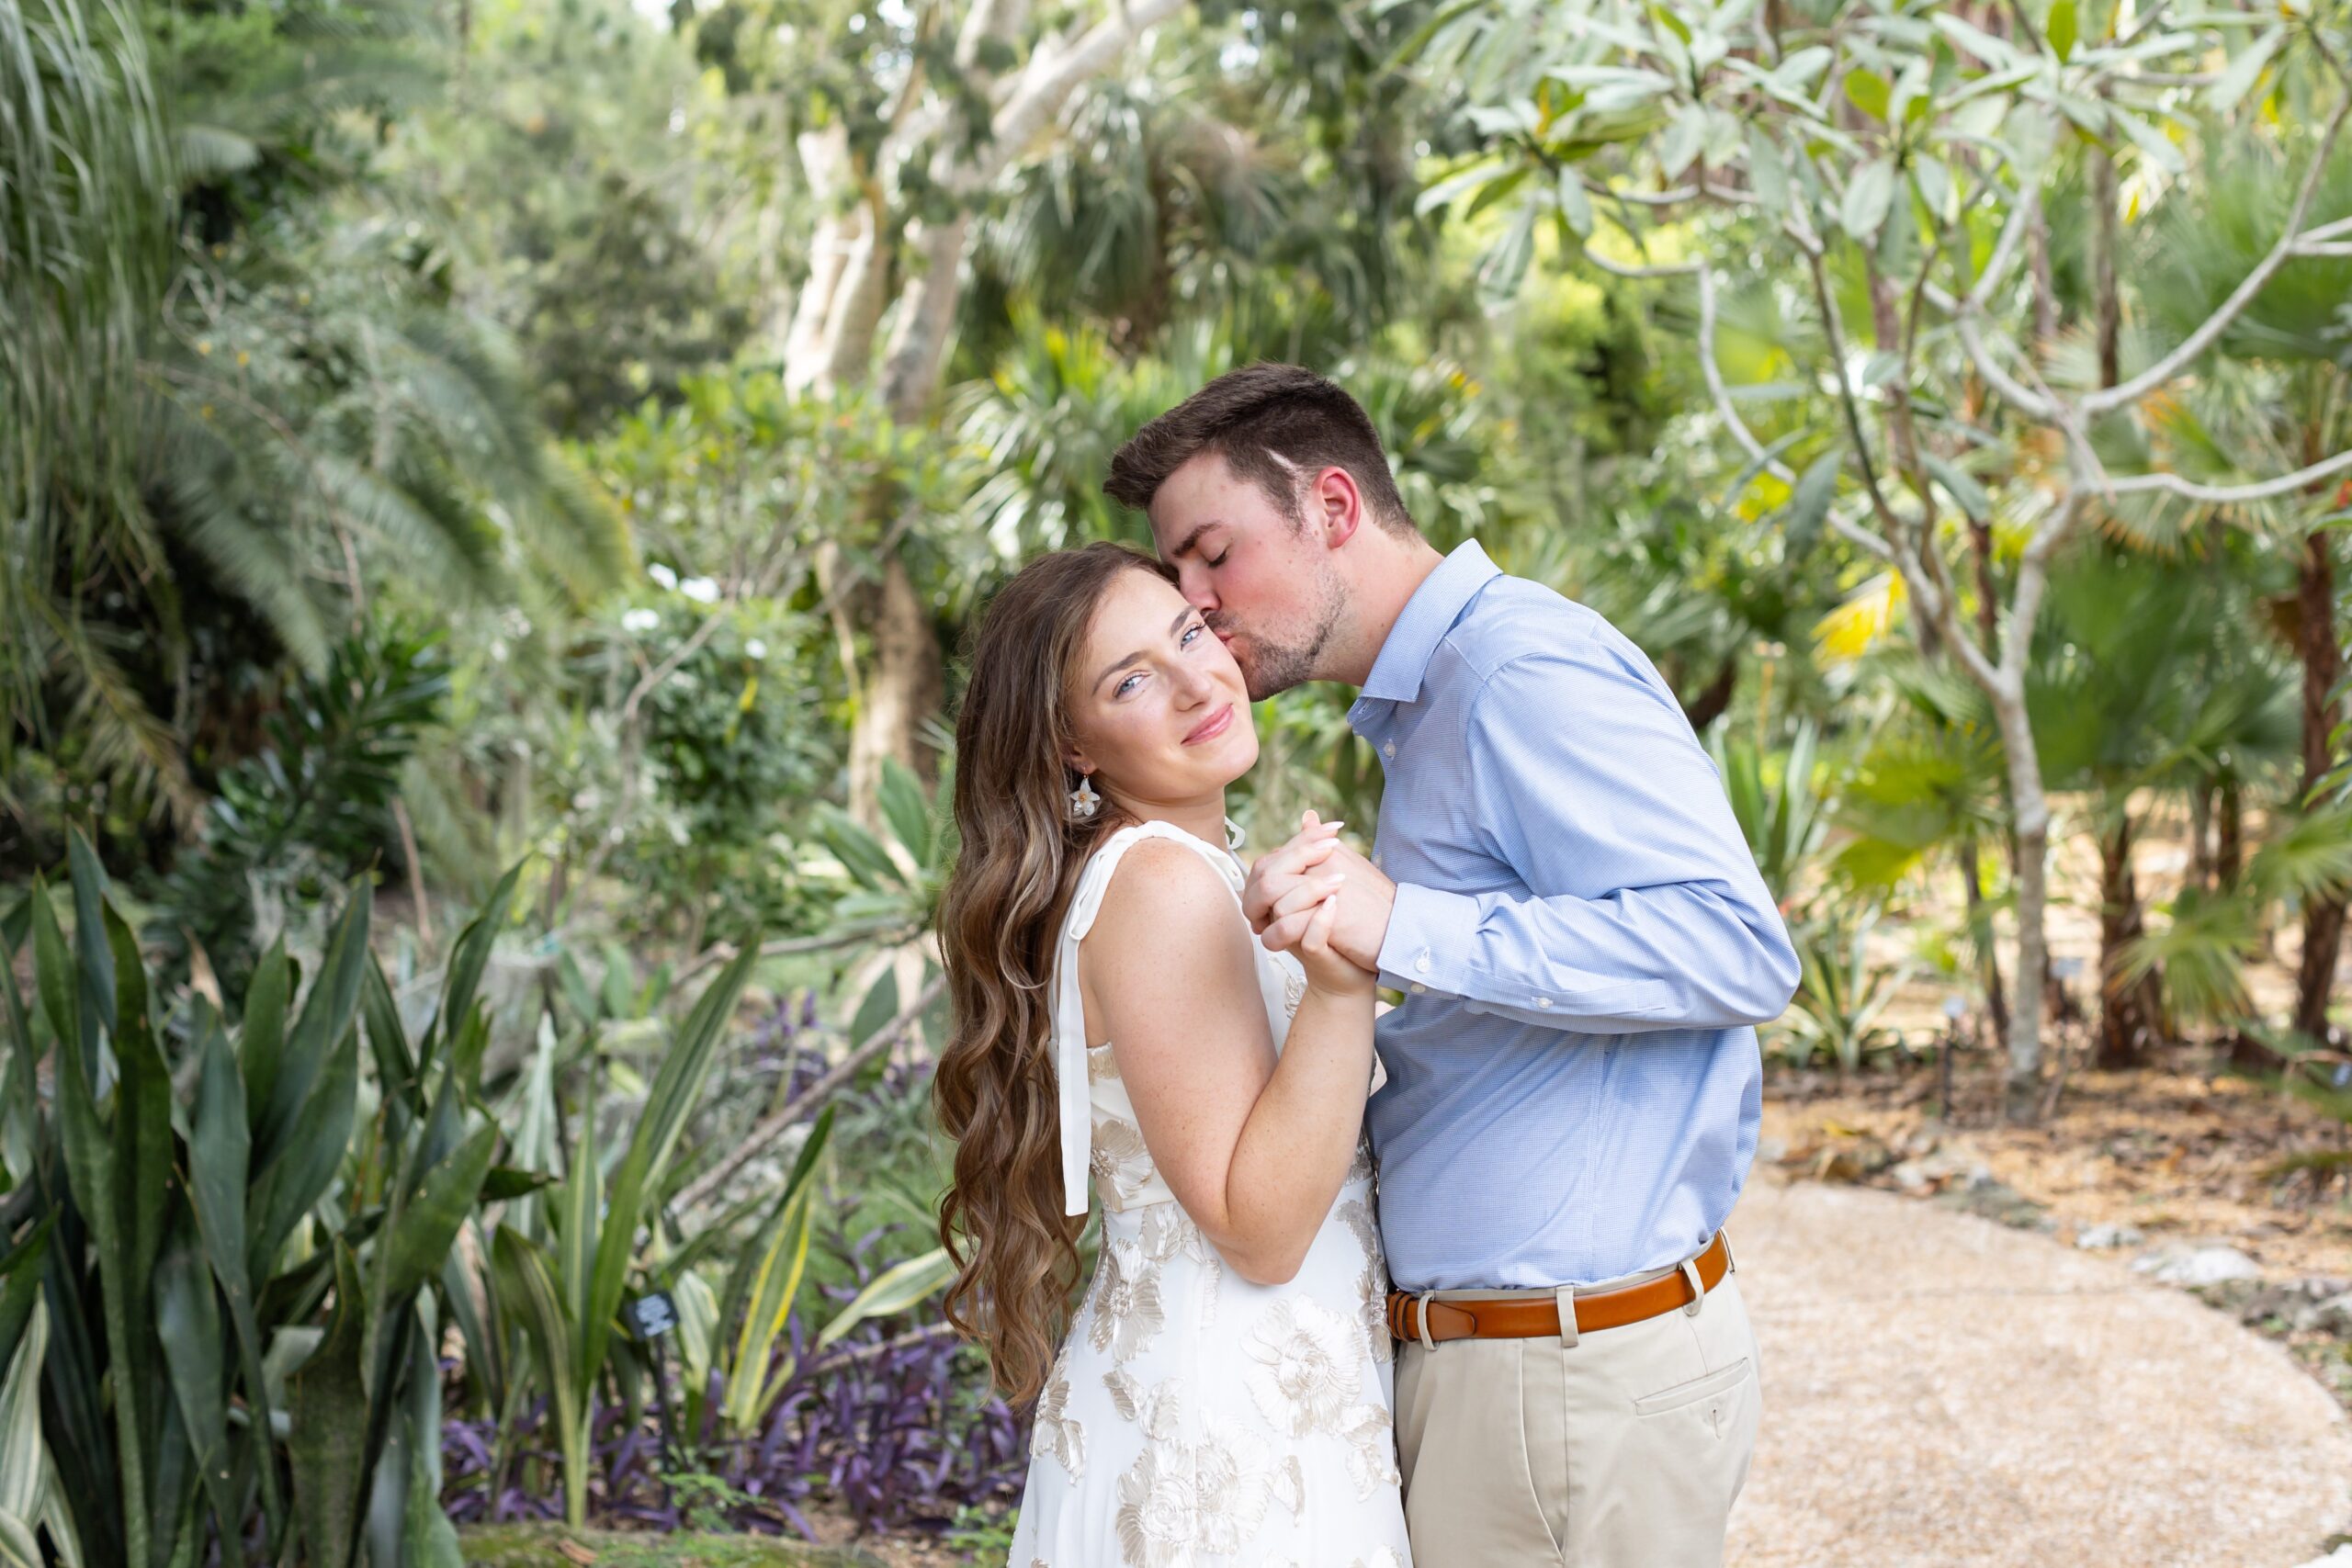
1942, 1391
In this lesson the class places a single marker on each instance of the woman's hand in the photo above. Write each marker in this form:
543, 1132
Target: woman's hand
1328, 970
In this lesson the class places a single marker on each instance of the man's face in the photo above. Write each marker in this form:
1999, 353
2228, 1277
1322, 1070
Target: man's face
1264, 582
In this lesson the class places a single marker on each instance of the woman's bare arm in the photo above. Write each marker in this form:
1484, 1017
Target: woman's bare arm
1254, 1147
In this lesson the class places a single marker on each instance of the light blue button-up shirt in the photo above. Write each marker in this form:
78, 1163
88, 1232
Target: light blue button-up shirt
1582, 939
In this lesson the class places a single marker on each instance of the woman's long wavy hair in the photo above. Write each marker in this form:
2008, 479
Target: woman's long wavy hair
1015, 1252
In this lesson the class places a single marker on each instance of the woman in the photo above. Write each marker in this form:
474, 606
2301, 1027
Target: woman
1223, 1394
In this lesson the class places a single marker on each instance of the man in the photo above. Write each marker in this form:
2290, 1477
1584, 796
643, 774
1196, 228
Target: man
1561, 893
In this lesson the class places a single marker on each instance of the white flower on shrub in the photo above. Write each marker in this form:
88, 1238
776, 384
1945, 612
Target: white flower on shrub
641, 620
662, 575
701, 590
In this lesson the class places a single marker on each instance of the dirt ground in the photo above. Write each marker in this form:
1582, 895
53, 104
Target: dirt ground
2151, 1165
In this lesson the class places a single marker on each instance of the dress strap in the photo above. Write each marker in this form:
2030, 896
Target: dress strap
1069, 1001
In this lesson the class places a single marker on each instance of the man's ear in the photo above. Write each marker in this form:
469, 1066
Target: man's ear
1335, 506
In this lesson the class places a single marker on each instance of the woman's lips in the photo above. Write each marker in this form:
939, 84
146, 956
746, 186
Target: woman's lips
1212, 727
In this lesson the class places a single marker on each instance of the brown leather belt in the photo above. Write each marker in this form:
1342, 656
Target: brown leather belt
1538, 1317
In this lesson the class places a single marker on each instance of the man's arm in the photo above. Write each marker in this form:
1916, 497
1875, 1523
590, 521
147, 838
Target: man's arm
1648, 912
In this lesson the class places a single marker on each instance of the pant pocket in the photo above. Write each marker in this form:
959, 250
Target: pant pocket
1714, 1406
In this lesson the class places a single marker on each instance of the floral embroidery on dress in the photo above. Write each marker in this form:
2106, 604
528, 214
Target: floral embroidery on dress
1386, 1557
1159, 1510
1101, 1065
1126, 1302
1290, 1484
1121, 1164
1360, 1168
1168, 1230
1126, 1394
1233, 1477
1293, 988
1310, 1365
1371, 1446
1055, 1431
1372, 1283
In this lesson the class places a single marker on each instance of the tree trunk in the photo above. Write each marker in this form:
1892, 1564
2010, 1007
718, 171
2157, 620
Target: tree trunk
2130, 1014
824, 160
903, 687
847, 352
1980, 926
2229, 836
2108, 298
2033, 815
1708, 705
2323, 661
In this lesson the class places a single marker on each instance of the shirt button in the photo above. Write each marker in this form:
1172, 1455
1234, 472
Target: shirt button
1418, 987
1421, 965
1543, 1001
1389, 748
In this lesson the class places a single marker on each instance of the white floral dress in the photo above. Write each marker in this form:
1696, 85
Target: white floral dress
1193, 1419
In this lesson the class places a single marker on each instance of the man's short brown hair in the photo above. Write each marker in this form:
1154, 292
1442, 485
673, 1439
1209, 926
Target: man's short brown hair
1267, 422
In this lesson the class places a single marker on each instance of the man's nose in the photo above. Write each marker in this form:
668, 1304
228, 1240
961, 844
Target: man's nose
1193, 584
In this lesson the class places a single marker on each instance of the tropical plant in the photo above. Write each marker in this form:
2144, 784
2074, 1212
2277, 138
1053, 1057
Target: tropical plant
1784, 818
1838, 1004
240, 1265
564, 1293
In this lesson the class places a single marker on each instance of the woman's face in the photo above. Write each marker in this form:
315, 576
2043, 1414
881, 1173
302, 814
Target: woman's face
1161, 713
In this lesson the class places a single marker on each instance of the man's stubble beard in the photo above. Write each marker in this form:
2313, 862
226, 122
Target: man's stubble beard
1276, 666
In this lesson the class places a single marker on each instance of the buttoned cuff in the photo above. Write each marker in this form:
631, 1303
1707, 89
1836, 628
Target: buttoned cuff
1415, 952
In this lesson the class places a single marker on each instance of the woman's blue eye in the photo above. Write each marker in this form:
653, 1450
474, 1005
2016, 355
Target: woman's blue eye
1121, 689
1195, 627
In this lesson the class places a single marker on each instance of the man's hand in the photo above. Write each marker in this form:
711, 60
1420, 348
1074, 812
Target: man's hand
1287, 886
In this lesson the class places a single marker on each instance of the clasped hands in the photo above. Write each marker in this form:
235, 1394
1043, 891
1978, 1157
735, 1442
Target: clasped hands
1316, 884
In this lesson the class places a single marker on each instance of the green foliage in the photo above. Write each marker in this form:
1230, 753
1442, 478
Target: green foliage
309, 809
1783, 819
1838, 1003
190, 1238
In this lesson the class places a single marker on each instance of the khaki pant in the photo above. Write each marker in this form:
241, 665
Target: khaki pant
1622, 1451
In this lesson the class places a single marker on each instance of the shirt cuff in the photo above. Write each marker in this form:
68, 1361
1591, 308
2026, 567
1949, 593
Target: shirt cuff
1415, 952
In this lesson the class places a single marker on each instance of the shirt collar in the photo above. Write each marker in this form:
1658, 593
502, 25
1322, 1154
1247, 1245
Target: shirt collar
1429, 615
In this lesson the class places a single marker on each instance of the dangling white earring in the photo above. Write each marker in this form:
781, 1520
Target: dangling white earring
1084, 801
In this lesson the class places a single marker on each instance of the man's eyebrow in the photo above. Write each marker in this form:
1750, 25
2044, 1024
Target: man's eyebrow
1193, 539
1186, 614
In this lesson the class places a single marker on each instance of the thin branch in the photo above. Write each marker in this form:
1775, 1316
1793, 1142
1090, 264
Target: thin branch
1737, 425
1619, 269
771, 1128
1675, 195
2223, 495
2015, 392
1996, 265
1830, 324
2112, 398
